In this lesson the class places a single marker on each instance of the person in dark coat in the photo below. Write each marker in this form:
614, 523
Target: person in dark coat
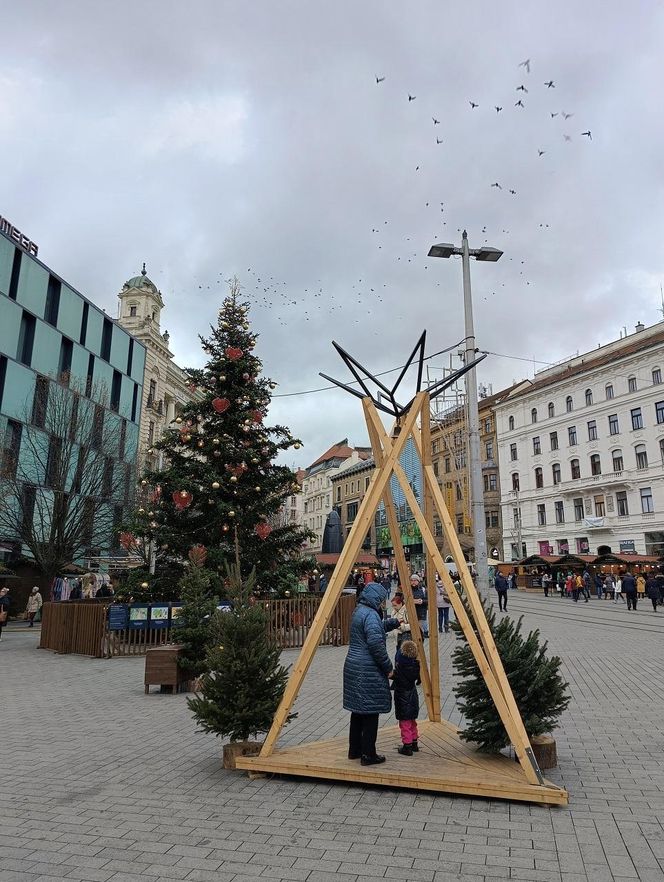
406, 700
659, 579
500, 584
629, 590
367, 670
421, 603
652, 591
5, 603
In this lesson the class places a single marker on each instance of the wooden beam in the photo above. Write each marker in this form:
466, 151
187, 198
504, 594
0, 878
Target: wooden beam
337, 582
402, 565
432, 593
508, 710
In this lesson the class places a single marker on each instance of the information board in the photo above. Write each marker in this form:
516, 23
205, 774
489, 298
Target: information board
118, 616
159, 616
176, 610
138, 616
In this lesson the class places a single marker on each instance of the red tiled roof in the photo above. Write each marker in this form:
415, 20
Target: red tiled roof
341, 450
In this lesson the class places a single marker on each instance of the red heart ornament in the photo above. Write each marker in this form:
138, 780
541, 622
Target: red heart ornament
234, 353
182, 499
220, 404
263, 530
257, 416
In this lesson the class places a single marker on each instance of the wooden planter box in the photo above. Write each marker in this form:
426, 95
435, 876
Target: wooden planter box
235, 749
162, 669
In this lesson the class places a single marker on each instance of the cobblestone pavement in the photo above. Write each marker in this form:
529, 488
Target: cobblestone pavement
100, 782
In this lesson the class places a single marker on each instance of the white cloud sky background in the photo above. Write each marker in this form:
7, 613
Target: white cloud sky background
215, 137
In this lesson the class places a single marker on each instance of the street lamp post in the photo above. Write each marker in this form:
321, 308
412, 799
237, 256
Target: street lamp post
475, 465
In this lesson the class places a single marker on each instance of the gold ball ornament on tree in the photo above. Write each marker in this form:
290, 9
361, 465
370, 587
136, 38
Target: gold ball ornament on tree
233, 479
215, 441
255, 460
257, 489
231, 514
215, 485
222, 378
153, 525
187, 437
200, 444
297, 445
144, 585
150, 514
178, 419
141, 511
144, 483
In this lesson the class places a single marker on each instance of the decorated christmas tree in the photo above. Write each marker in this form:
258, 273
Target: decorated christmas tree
244, 681
539, 690
220, 472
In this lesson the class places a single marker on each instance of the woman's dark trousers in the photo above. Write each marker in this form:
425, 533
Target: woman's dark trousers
362, 736
502, 600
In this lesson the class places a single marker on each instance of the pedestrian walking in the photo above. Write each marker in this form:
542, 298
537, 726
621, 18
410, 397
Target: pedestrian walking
34, 606
5, 603
500, 585
641, 586
599, 585
585, 588
421, 604
367, 671
546, 583
659, 579
570, 585
400, 614
510, 581
443, 606
608, 586
406, 700
617, 589
652, 591
629, 590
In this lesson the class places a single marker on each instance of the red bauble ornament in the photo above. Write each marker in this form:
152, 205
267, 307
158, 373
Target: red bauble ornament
234, 353
182, 499
263, 530
127, 541
220, 404
237, 470
257, 416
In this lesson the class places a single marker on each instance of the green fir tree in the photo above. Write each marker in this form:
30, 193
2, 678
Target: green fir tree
220, 472
244, 681
540, 692
198, 610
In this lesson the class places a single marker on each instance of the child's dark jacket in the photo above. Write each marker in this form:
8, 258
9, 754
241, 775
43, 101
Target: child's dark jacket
406, 676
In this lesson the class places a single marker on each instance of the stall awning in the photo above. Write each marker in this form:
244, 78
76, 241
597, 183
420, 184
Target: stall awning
538, 560
626, 559
364, 559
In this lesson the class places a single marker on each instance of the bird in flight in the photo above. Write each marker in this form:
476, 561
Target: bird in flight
553, 114
567, 115
513, 192
588, 134
472, 104
521, 88
379, 79
550, 84
498, 109
525, 64
567, 137
439, 140
497, 185
541, 152
412, 97
519, 103
436, 122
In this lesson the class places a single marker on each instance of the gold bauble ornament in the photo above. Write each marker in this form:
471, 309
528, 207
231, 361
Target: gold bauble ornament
150, 514
144, 585
215, 440
257, 489
215, 485
225, 528
222, 378
164, 547
153, 525
141, 511
246, 428
144, 483
286, 593
233, 479
187, 437
297, 446
246, 422
254, 459
234, 492
231, 514
200, 444
216, 453
178, 419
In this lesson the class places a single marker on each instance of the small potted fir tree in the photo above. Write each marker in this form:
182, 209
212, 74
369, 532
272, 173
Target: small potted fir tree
243, 683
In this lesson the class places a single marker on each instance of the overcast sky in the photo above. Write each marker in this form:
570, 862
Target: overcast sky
217, 138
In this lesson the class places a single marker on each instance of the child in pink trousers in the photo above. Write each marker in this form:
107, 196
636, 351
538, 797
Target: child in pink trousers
406, 701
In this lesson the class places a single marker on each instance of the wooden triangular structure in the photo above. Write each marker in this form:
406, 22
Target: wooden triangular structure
452, 766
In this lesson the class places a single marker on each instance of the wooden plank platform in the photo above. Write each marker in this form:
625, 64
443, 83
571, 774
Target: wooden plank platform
445, 764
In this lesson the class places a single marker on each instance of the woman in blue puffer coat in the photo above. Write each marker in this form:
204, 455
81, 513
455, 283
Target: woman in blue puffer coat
367, 670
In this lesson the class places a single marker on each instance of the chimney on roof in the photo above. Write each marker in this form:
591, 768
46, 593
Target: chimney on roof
639, 327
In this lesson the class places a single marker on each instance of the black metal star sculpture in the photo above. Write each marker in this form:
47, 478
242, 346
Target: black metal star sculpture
386, 398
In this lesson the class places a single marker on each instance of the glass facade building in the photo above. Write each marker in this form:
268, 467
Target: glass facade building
58, 349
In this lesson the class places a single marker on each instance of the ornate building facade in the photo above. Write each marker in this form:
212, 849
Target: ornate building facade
165, 388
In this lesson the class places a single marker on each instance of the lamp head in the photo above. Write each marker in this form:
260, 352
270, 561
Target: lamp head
442, 250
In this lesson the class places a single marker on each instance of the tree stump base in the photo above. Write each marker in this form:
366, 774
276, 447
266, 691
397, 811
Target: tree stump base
239, 748
544, 748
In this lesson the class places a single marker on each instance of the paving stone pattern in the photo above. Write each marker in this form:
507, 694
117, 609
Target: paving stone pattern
103, 783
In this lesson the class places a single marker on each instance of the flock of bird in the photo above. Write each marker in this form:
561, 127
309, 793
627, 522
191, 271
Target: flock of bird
361, 301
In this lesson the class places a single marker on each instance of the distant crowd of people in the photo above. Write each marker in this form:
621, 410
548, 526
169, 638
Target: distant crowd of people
625, 587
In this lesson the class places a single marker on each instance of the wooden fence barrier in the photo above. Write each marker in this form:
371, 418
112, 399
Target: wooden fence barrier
81, 627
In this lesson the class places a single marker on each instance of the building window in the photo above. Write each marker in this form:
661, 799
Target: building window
659, 411
16, 272
40, 402
595, 464
492, 519
52, 301
106, 339
97, 433
560, 512
489, 449
589, 397
569, 404
592, 430
576, 469
513, 453
656, 377
107, 478
351, 512
571, 436
614, 428
617, 460
609, 391
553, 438
515, 480
130, 356
647, 505
541, 515
64, 363
26, 339
487, 425
555, 470
578, 509
631, 384
516, 516
641, 456
661, 449
510, 423
600, 511
90, 375
150, 432
621, 504
84, 324
539, 478
537, 447
637, 418
458, 493
490, 483
459, 523
435, 445
152, 394
552, 409
11, 448
533, 415
3, 377
116, 387
133, 311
